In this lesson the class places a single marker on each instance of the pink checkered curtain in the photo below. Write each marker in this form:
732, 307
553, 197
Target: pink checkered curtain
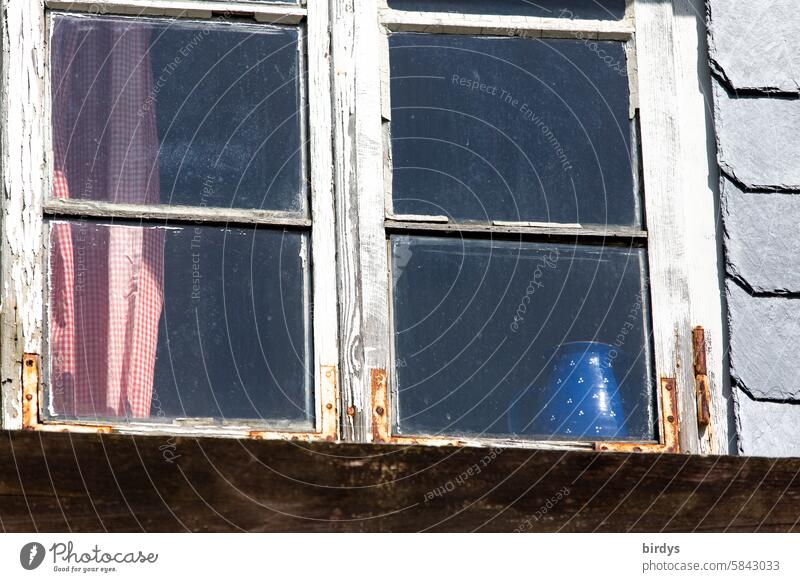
106, 283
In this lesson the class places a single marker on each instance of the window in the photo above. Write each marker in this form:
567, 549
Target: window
509, 229
184, 223
394, 221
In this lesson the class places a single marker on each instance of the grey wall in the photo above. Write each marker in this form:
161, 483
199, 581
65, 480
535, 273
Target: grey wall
755, 59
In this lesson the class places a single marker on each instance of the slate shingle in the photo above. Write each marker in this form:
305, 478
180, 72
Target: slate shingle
754, 43
758, 139
764, 335
767, 429
762, 237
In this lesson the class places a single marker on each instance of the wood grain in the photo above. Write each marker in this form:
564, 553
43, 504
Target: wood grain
70, 482
22, 83
354, 398
668, 254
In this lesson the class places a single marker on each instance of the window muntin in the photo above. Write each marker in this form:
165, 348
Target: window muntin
588, 9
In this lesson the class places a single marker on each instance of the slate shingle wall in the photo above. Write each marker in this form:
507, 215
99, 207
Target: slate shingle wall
754, 51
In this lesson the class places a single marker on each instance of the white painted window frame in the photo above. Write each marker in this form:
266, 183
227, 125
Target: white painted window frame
348, 158
664, 81
26, 173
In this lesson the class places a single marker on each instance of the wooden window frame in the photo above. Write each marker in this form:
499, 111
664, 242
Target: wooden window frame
352, 341
23, 247
657, 45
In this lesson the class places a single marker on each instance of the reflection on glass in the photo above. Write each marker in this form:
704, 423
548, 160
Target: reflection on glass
149, 111
512, 129
157, 323
537, 340
590, 9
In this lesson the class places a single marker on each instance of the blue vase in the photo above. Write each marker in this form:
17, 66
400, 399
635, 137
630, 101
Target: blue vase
580, 400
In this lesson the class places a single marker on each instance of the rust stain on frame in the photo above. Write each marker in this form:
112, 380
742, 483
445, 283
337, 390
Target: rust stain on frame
329, 415
30, 403
670, 426
380, 406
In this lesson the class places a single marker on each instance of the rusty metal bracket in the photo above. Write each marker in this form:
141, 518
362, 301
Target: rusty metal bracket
670, 426
30, 391
30, 402
701, 377
380, 406
330, 398
381, 424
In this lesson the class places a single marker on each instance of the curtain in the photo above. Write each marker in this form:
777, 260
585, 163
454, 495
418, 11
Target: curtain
106, 282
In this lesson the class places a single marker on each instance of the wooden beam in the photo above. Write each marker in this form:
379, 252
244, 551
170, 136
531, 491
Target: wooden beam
78, 482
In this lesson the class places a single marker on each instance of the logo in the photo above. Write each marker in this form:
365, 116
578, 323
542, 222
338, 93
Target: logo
31, 555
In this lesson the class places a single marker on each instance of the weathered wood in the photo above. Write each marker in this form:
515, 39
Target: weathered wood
371, 68
353, 396
194, 214
323, 234
528, 26
69, 482
702, 229
662, 168
275, 13
610, 234
22, 93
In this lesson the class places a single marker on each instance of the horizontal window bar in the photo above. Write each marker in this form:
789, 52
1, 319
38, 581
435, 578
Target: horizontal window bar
91, 208
274, 13
190, 427
481, 441
562, 231
495, 25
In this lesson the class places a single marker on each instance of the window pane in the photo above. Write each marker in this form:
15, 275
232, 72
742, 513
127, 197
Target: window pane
177, 112
156, 323
512, 129
530, 339
593, 9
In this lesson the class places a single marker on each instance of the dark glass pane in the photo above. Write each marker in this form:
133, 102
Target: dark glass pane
155, 323
531, 339
592, 9
512, 129
177, 112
